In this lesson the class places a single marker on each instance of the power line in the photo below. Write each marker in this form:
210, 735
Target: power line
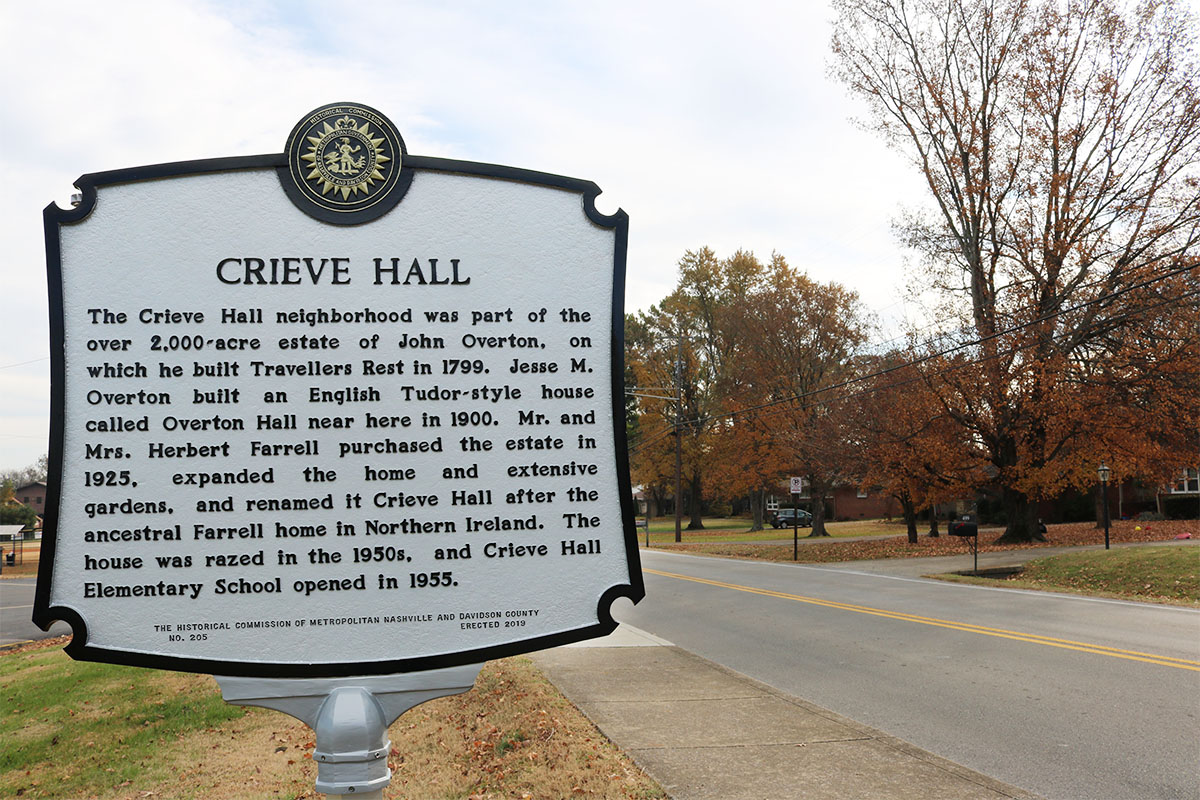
945, 371
947, 351
23, 363
876, 346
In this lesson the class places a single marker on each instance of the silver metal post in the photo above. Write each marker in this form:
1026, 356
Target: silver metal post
350, 717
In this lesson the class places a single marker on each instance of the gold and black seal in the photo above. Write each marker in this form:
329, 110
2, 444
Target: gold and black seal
345, 164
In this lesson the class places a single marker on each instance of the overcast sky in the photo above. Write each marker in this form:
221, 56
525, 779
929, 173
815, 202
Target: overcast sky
710, 123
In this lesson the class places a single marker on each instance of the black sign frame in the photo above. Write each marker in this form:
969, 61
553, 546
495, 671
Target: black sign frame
45, 614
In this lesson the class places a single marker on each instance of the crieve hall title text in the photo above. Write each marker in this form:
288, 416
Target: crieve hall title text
284, 271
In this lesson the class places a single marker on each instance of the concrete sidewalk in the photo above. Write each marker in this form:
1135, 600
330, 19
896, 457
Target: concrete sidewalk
703, 731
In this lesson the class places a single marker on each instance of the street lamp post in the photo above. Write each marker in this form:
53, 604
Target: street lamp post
1104, 473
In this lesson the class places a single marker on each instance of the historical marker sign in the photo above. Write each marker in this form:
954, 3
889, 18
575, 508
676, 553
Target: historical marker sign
337, 411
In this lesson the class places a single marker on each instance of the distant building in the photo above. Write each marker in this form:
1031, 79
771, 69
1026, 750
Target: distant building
1178, 499
851, 502
32, 495
1188, 483
844, 502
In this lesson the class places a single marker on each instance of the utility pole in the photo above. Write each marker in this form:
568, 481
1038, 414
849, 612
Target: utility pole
677, 431
678, 438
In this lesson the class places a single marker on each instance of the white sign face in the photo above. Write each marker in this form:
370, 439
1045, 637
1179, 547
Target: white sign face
797, 485
289, 447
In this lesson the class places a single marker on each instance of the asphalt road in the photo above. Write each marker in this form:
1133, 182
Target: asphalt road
16, 611
1068, 697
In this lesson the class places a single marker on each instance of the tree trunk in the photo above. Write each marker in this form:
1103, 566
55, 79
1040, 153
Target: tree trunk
695, 521
910, 519
818, 511
933, 522
758, 499
1022, 518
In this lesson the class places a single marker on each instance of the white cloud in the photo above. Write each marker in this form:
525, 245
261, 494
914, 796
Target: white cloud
710, 123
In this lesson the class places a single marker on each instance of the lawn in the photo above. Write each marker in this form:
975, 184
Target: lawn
829, 551
737, 529
78, 729
1156, 574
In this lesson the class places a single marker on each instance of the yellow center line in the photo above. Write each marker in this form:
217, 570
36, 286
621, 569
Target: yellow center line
1032, 638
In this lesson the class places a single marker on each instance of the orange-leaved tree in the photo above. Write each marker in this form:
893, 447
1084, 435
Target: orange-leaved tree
1058, 141
909, 446
681, 356
798, 337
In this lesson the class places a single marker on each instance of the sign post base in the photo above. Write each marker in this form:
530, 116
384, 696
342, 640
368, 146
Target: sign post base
350, 717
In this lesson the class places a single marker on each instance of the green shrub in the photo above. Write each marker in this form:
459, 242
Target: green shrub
720, 509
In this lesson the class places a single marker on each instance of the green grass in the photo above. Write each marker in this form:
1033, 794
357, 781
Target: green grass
87, 726
1159, 574
737, 529
665, 524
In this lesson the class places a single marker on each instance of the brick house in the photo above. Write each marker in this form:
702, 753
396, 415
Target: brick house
845, 502
32, 495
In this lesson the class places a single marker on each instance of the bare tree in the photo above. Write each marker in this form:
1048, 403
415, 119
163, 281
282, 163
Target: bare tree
1060, 143
37, 471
